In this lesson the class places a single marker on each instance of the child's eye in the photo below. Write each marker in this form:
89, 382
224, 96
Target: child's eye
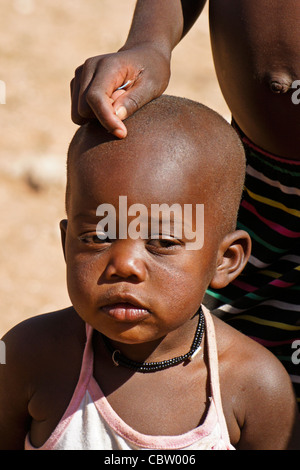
164, 244
93, 239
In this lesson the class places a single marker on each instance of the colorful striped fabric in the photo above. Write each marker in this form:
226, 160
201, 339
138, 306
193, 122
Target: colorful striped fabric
264, 302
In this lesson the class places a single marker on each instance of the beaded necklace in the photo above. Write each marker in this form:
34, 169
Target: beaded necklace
120, 360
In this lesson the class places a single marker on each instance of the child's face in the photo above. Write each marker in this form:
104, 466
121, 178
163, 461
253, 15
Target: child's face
134, 290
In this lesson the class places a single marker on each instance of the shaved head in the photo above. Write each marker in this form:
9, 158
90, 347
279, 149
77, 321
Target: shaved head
174, 146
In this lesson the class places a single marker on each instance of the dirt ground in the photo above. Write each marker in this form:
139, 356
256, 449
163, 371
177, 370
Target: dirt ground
41, 44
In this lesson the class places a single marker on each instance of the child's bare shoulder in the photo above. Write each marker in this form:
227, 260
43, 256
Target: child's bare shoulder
39, 336
39, 345
249, 360
39, 352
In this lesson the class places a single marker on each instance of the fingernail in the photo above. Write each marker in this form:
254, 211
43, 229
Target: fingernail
120, 133
121, 112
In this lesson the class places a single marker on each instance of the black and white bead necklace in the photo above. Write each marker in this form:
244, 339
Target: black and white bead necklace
120, 360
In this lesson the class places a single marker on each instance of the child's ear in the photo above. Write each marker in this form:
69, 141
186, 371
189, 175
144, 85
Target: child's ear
63, 232
233, 254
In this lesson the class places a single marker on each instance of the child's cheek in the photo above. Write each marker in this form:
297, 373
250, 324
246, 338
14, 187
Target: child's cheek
184, 284
82, 280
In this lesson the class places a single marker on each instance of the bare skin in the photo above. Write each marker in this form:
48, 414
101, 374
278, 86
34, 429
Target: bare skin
167, 281
256, 48
41, 385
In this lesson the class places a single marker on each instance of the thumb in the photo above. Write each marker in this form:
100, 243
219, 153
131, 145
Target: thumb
132, 100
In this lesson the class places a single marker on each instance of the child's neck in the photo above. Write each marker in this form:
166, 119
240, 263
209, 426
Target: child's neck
174, 344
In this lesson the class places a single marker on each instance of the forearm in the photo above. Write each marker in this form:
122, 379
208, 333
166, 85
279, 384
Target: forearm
157, 22
143, 63
191, 10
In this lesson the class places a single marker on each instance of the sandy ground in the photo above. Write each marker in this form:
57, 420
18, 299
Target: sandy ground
41, 44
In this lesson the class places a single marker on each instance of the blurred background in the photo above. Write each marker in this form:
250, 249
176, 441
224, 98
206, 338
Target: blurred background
41, 44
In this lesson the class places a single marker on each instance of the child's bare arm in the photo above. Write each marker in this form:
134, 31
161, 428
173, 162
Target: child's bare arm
14, 394
144, 60
271, 417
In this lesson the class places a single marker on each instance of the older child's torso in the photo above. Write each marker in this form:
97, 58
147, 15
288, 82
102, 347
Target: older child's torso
256, 49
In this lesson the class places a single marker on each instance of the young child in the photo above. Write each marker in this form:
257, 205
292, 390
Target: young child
136, 362
256, 51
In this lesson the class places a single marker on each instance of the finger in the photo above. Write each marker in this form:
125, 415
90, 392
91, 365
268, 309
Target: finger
116, 95
104, 112
84, 81
100, 99
76, 117
132, 100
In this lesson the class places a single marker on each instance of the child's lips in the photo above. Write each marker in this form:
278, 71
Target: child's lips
125, 312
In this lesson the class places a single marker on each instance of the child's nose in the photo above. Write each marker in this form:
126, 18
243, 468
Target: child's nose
126, 261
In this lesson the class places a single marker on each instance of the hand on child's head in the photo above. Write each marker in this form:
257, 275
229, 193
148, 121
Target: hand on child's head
93, 88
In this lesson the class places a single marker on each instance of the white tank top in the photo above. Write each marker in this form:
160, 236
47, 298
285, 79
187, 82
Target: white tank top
90, 423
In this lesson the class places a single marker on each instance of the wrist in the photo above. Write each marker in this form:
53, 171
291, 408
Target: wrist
161, 48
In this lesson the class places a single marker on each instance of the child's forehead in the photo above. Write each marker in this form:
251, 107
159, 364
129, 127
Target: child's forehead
150, 179
156, 166
175, 152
